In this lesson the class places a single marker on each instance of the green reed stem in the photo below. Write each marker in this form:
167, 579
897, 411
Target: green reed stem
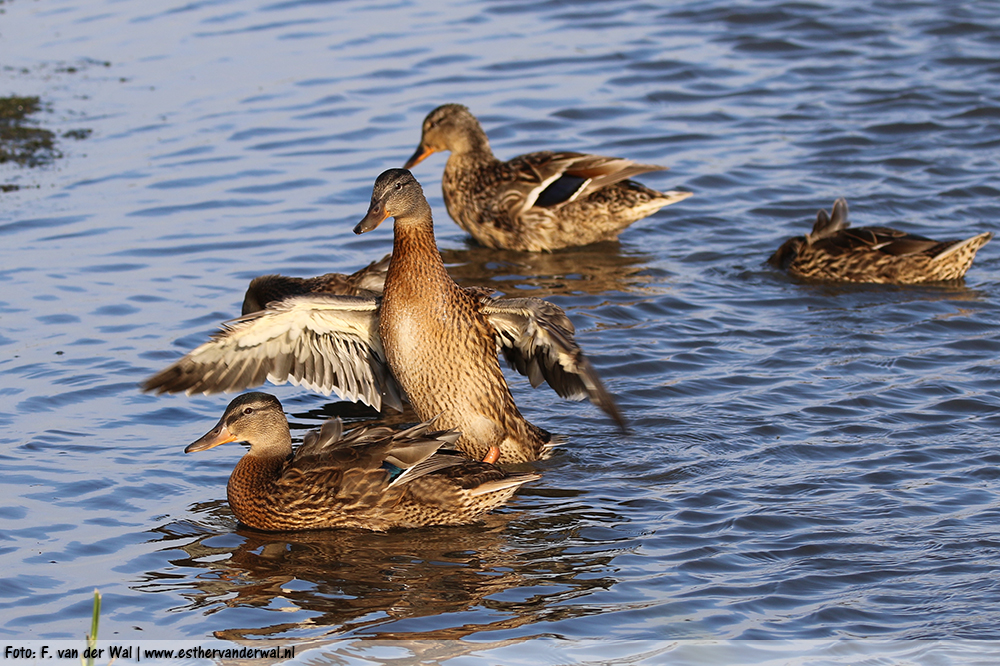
92, 635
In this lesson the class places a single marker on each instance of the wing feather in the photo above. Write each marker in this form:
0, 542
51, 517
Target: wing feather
323, 342
549, 179
536, 338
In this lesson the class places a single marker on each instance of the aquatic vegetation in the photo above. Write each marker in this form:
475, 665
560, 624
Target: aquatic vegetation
19, 142
88, 658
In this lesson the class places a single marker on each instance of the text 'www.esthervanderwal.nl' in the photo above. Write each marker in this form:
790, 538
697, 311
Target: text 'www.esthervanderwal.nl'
138, 651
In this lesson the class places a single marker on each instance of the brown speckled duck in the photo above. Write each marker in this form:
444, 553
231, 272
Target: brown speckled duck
834, 251
265, 289
536, 202
425, 338
369, 478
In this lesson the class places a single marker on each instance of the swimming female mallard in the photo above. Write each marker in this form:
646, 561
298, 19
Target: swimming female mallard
834, 251
369, 478
537, 202
426, 337
265, 289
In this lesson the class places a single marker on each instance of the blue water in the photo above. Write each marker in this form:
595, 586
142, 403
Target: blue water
806, 461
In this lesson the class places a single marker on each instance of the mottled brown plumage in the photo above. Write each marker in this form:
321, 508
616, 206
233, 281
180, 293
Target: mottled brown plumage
426, 338
271, 288
370, 478
536, 202
438, 343
834, 251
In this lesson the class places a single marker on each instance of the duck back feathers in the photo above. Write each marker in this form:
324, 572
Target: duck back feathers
371, 478
836, 251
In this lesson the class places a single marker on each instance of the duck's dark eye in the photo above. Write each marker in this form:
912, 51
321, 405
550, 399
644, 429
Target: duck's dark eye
248, 410
399, 185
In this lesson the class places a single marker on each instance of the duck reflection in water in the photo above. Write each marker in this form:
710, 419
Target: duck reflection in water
594, 269
366, 583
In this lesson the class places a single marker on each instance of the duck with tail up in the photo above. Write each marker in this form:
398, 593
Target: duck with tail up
537, 202
370, 478
426, 339
835, 251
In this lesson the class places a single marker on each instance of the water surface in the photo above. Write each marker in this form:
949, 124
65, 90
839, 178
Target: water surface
807, 462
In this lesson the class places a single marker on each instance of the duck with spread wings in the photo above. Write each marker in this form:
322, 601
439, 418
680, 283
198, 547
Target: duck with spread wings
426, 340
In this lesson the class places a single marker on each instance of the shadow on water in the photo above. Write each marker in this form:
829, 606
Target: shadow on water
350, 412
375, 585
591, 269
823, 294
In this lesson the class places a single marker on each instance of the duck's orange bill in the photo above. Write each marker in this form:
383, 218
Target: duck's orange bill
492, 456
214, 437
376, 215
419, 156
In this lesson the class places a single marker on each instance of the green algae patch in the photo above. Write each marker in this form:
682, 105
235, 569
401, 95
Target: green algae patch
16, 108
20, 141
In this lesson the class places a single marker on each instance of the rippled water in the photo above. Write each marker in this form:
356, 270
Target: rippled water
806, 462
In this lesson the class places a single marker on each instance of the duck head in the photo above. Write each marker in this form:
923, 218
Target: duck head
450, 127
786, 254
255, 418
396, 194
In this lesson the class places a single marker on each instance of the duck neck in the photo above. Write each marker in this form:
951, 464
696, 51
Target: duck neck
257, 471
251, 484
415, 256
471, 141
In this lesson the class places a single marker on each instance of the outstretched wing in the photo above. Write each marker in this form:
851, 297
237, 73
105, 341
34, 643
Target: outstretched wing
536, 338
326, 343
265, 289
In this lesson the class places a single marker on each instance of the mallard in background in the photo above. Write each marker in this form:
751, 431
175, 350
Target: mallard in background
426, 339
369, 478
834, 251
265, 289
536, 202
